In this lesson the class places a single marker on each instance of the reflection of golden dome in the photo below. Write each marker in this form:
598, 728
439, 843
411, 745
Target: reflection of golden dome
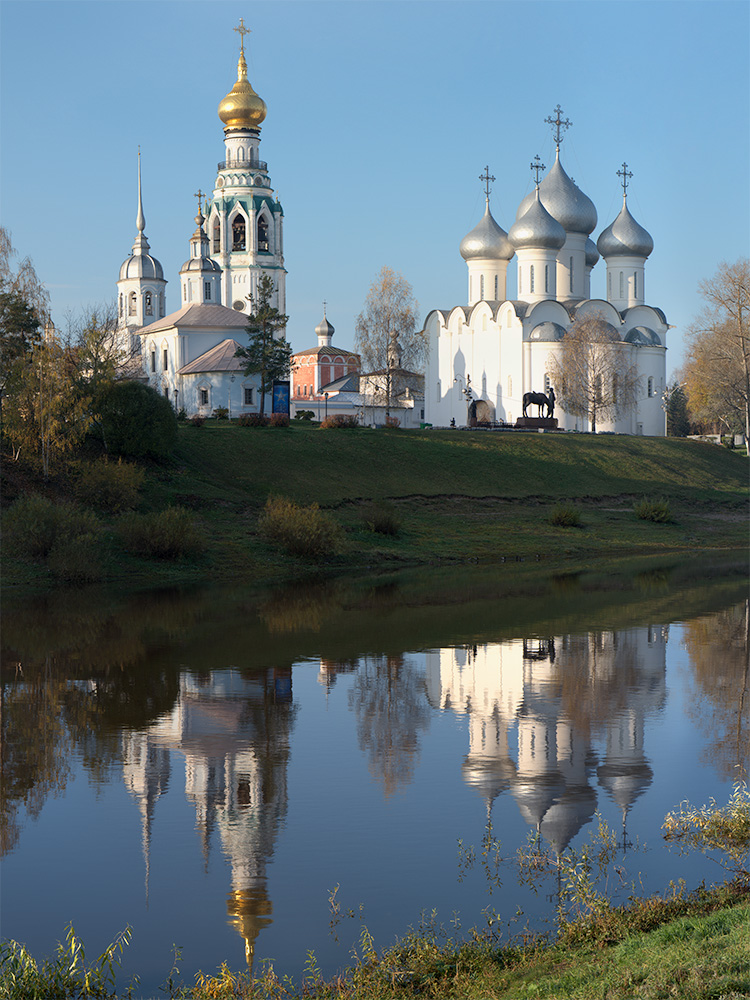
242, 108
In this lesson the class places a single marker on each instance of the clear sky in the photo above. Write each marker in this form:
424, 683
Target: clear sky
381, 117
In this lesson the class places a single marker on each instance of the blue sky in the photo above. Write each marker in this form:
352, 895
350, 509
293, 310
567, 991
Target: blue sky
381, 117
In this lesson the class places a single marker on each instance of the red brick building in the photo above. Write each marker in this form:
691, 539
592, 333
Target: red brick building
315, 368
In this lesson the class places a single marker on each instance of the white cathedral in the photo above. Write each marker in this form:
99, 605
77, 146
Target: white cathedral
493, 351
189, 355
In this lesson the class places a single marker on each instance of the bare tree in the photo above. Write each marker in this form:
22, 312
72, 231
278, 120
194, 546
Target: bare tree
717, 366
593, 372
387, 339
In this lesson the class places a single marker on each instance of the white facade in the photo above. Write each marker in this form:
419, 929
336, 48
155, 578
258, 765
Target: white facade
495, 350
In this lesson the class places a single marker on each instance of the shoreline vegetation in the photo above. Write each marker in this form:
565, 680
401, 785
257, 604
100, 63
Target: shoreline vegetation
269, 505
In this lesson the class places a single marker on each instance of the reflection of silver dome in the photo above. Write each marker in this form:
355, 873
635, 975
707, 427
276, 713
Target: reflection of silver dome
486, 241
537, 229
141, 265
548, 331
592, 254
564, 200
567, 816
643, 335
625, 779
489, 775
625, 237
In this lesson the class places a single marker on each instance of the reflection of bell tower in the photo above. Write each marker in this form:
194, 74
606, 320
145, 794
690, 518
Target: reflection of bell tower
145, 771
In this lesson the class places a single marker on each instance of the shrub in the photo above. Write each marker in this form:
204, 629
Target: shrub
110, 486
182, 414
339, 420
136, 421
197, 420
252, 420
382, 518
166, 534
565, 516
278, 420
653, 510
715, 830
34, 526
77, 559
221, 413
392, 422
299, 530
304, 415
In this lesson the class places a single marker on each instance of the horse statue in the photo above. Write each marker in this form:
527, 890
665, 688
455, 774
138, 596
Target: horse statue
539, 400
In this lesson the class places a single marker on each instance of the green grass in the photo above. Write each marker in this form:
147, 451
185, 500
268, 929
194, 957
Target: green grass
456, 496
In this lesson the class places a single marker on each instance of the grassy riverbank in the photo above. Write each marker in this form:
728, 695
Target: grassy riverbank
453, 496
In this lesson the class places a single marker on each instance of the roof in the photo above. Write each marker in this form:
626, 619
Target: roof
331, 351
197, 315
349, 383
220, 358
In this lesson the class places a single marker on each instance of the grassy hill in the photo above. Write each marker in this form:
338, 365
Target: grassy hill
455, 496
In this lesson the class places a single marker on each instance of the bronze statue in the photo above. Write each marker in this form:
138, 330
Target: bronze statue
539, 400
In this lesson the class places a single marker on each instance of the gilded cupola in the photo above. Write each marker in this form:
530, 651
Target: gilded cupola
242, 107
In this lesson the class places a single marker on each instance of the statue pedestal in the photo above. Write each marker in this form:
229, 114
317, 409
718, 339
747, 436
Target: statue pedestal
537, 423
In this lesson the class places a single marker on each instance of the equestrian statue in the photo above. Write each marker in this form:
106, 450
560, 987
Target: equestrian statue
539, 400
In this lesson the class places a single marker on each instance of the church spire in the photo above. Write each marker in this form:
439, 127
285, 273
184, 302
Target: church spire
141, 244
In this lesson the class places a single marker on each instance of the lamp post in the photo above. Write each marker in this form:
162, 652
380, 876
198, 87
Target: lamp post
326, 396
229, 398
176, 401
466, 391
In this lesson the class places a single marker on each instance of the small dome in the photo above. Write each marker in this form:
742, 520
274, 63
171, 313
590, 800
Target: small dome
564, 201
592, 254
205, 264
324, 328
141, 265
242, 108
548, 331
486, 241
624, 238
536, 228
644, 336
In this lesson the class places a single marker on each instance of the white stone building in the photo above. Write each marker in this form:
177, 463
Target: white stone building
188, 355
499, 349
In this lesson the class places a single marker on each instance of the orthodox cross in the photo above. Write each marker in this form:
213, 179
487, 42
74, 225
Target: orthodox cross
325, 303
537, 167
199, 194
625, 174
242, 30
487, 178
558, 125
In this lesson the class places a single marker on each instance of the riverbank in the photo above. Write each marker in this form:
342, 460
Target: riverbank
450, 497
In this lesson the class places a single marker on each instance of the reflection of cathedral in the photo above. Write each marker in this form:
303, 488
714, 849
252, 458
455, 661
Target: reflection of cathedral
233, 730
535, 709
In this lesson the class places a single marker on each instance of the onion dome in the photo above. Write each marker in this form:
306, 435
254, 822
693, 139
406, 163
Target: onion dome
536, 228
141, 265
486, 241
242, 108
564, 200
199, 258
324, 331
592, 254
624, 238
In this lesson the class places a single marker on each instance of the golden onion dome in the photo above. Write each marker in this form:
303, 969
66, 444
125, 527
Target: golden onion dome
242, 108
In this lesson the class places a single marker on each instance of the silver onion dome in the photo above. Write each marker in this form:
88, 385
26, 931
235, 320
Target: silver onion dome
204, 264
536, 228
486, 241
324, 328
141, 265
625, 237
564, 201
592, 254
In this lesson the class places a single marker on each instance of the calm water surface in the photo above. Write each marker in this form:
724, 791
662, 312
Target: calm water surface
208, 767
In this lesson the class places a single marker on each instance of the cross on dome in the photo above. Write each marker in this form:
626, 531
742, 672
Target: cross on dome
242, 31
625, 176
537, 167
487, 178
558, 125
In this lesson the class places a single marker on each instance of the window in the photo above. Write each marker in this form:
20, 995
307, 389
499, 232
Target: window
614, 387
571, 274
166, 391
622, 285
122, 305
153, 359
520, 282
495, 288
165, 359
546, 383
650, 387
531, 278
263, 234
184, 292
216, 237
546, 277
207, 290
481, 286
203, 397
510, 386
131, 304
439, 391
598, 389
609, 283
635, 284
238, 233
248, 394
148, 304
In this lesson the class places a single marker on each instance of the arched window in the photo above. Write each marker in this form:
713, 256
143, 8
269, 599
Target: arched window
216, 247
207, 290
153, 359
622, 285
598, 388
650, 387
546, 382
263, 233
148, 303
571, 274
481, 286
238, 233
546, 277
520, 282
635, 284
122, 304
495, 288
609, 283
614, 387
131, 304
531, 278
